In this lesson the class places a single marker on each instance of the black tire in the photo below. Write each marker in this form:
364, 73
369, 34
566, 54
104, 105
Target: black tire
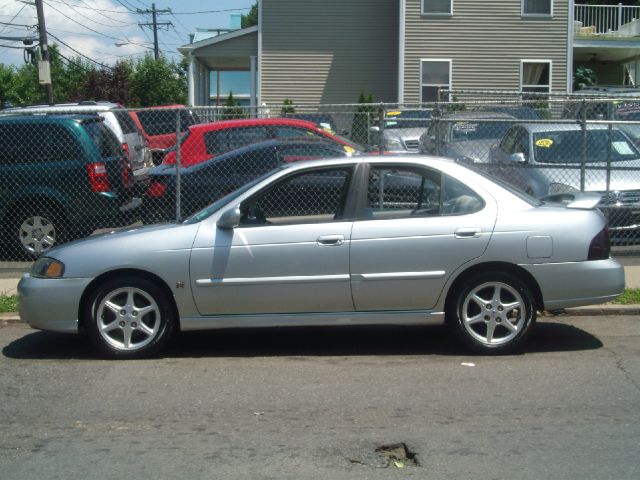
36, 229
492, 312
110, 327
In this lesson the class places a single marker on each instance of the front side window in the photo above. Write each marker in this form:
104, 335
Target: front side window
437, 7
316, 196
434, 76
535, 76
220, 141
405, 192
537, 7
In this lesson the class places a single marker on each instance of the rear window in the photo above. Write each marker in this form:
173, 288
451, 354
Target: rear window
126, 122
462, 131
107, 143
163, 121
37, 142
566, 147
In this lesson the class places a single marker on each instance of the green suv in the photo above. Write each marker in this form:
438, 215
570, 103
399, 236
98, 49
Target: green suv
61, 177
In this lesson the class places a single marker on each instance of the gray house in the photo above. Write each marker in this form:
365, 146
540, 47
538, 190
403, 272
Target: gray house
405, 50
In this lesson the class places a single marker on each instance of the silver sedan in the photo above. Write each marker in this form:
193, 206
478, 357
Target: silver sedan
368, 240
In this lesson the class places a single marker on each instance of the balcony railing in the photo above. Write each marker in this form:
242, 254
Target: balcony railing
607, 20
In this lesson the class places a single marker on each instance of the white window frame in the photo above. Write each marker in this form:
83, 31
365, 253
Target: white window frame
535, 60
422, 61
436, 14
536, 15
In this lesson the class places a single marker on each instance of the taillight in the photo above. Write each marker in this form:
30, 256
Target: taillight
98, 177
600, 246
125, 146
126, 176
156, 189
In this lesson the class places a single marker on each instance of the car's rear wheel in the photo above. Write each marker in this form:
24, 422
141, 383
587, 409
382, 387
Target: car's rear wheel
129, 317
37, 230
493, 312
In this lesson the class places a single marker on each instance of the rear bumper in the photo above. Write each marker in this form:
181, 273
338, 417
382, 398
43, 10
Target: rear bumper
573, 284
51, 303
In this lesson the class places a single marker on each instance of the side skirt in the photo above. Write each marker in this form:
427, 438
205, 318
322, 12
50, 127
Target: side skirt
413, 317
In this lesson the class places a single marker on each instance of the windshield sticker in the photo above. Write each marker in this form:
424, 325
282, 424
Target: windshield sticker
394, 113
349, 150
623, 148
544, 142
465, 127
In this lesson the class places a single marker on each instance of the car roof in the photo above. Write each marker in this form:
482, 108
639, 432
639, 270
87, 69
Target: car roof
79, 107
481, 114
57, 118
251, 122
558, 127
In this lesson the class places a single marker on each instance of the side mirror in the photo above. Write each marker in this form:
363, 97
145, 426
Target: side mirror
517, 158
374, 128
230, 219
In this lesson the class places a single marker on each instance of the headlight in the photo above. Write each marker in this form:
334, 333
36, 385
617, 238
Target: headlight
393, 144
561, 188
45, 267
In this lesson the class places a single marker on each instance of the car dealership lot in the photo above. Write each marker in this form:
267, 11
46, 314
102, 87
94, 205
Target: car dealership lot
316, 403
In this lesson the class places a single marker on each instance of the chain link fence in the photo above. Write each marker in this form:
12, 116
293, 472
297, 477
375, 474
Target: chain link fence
69, 171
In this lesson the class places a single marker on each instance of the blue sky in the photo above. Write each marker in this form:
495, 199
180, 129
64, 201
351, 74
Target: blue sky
107, 30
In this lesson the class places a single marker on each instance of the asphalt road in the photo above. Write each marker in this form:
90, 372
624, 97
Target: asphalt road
316, 403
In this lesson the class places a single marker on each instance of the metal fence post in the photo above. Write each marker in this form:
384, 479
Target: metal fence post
178, 167
381, 116
583, 121
609, 155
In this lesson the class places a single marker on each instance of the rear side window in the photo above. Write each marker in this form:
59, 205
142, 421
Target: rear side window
37, 142
126, 122
220, 141
107, 143
250, 164
164, 121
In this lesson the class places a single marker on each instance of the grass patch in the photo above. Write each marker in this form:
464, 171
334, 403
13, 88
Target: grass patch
8, 303
629, 297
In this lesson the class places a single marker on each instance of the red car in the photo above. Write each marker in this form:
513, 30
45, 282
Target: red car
158, 126
206, 140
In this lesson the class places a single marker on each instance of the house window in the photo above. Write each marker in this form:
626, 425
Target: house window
437, 7
225, 82
434, 76
535, 76
537, 7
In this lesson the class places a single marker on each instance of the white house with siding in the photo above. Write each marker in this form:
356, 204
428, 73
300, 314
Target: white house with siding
405, 50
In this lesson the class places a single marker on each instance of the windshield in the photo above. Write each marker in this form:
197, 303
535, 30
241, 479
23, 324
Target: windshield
407, 119
462, 131
217, 205
566, 147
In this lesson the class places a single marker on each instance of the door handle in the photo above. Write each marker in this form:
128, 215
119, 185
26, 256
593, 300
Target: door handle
468, 232
331, 240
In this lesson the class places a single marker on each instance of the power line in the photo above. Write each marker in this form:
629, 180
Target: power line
81, 24
79, 53
72, 7
14, 17
154, 24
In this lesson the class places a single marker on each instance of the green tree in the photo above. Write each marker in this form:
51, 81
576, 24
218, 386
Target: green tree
232, 109
287, 108
157, 82
583, 77
366, 115
251, 18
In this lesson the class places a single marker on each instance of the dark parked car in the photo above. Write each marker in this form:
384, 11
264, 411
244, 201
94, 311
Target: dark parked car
61, 177
205, 182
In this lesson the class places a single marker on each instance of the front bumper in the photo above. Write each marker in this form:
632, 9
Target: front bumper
573, 284
51, 303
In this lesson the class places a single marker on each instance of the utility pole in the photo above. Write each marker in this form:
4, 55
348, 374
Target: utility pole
154, 25
44, 69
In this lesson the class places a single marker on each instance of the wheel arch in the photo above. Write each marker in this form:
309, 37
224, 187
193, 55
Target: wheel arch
502, 267
112, 274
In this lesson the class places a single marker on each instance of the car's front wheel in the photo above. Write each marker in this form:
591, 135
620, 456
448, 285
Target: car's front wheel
493, 312
129, 317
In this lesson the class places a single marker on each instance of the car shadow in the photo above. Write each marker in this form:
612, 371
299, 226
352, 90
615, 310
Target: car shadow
548, 336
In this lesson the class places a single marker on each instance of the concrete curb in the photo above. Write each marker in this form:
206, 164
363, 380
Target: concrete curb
12, 318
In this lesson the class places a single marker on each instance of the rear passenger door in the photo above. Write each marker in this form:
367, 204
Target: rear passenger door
416, 228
